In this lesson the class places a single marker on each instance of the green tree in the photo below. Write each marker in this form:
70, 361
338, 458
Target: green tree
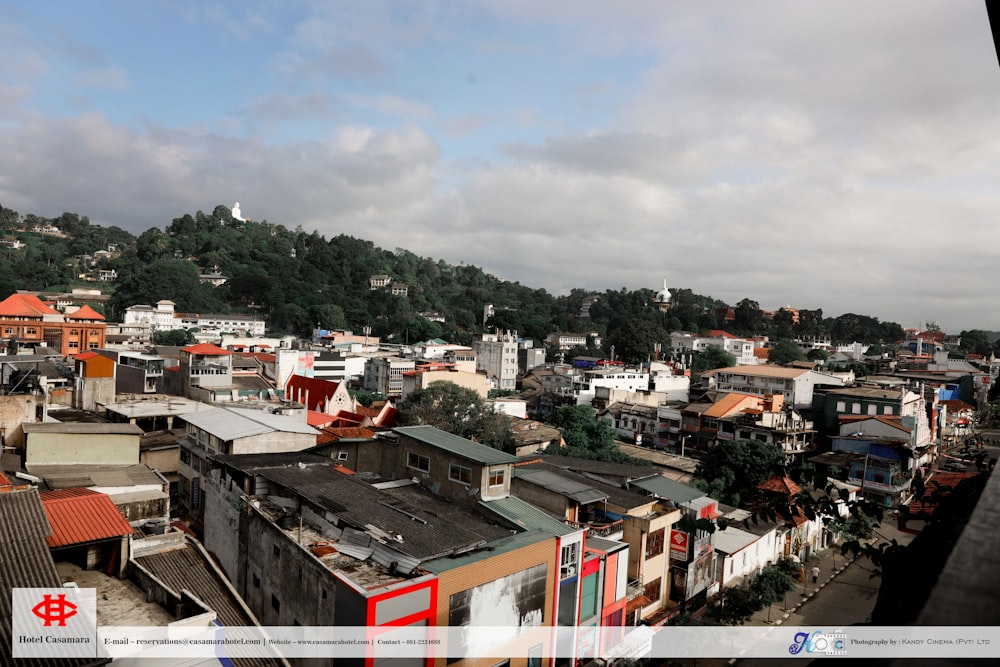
785, 352
635, 340
733, 468
588, 437
976, 341
457, 410
770, 586
735, 606
173, 337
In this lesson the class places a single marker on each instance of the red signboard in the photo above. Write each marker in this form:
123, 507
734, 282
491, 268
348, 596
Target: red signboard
678, 545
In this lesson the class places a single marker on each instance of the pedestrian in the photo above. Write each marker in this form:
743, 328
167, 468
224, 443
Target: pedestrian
815, 572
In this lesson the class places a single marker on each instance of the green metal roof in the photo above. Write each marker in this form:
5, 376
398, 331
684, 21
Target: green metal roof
459, 446
665, 487
489, 550
527, 516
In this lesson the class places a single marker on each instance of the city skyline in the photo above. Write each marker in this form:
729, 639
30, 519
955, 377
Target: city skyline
823, 156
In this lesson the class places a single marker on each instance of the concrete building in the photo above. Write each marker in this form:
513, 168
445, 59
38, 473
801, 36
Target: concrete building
496, 355
795, 384
384, 375
231, 430
80, 443
427, 374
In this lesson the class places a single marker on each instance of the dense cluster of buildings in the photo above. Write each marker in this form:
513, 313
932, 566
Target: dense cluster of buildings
237, 481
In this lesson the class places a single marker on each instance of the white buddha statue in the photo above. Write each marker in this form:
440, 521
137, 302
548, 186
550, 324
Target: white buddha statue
236, 212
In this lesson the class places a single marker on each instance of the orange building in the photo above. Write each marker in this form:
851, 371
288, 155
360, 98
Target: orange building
26, 319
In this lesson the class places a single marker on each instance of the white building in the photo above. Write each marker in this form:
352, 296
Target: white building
496, 355
684, 342
795, 384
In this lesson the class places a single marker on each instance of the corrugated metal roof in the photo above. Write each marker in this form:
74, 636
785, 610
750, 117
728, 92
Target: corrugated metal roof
581, 493
732, 539
234, 423
527, 516
457, 445
79, 516
669, 489
489, 550
605, 545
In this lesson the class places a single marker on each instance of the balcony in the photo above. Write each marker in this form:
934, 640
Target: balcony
898, 481
600, 530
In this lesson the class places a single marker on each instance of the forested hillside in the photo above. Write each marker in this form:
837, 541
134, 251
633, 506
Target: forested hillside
297, 280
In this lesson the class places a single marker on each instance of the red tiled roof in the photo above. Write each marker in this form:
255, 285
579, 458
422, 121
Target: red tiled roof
83, 356
25, 305
332, 434
315, 418
315, 390
206, 348
927, 503
780, 484
719, 333
79, 516
85, 312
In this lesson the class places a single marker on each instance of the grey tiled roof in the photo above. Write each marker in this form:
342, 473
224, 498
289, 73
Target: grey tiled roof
425, 529
25, 562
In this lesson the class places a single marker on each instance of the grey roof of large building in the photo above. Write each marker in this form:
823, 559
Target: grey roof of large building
233, 423
573, 489
422, 526
459, 446
494, 548
26, 563
67, 476
616, 495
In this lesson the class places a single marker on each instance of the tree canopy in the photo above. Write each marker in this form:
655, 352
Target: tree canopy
732, 469
458, 410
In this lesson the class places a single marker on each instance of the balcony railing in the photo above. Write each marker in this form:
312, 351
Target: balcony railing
600, 530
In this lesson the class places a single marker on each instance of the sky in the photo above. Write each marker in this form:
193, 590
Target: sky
842, 156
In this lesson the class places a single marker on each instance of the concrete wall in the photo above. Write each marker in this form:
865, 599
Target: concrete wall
436, 479
15, 410
93, 449
304, 589
278, 441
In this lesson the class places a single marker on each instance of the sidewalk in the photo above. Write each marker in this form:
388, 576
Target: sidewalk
831, 564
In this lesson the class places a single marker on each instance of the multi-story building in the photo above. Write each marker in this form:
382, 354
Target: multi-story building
384, 375
223, 431
795, 384
684, 342
27, 320
496, 355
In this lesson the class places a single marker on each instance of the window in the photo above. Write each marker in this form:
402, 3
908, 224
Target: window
341, 456
841, 406
567, 560
418, 462
497, 477
873, 409
855, 408
654, 543
460, 474
588, 596
652, 589
73, 345
30, 331
185, 456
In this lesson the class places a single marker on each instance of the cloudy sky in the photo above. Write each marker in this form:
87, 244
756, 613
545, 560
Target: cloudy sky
842, 156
